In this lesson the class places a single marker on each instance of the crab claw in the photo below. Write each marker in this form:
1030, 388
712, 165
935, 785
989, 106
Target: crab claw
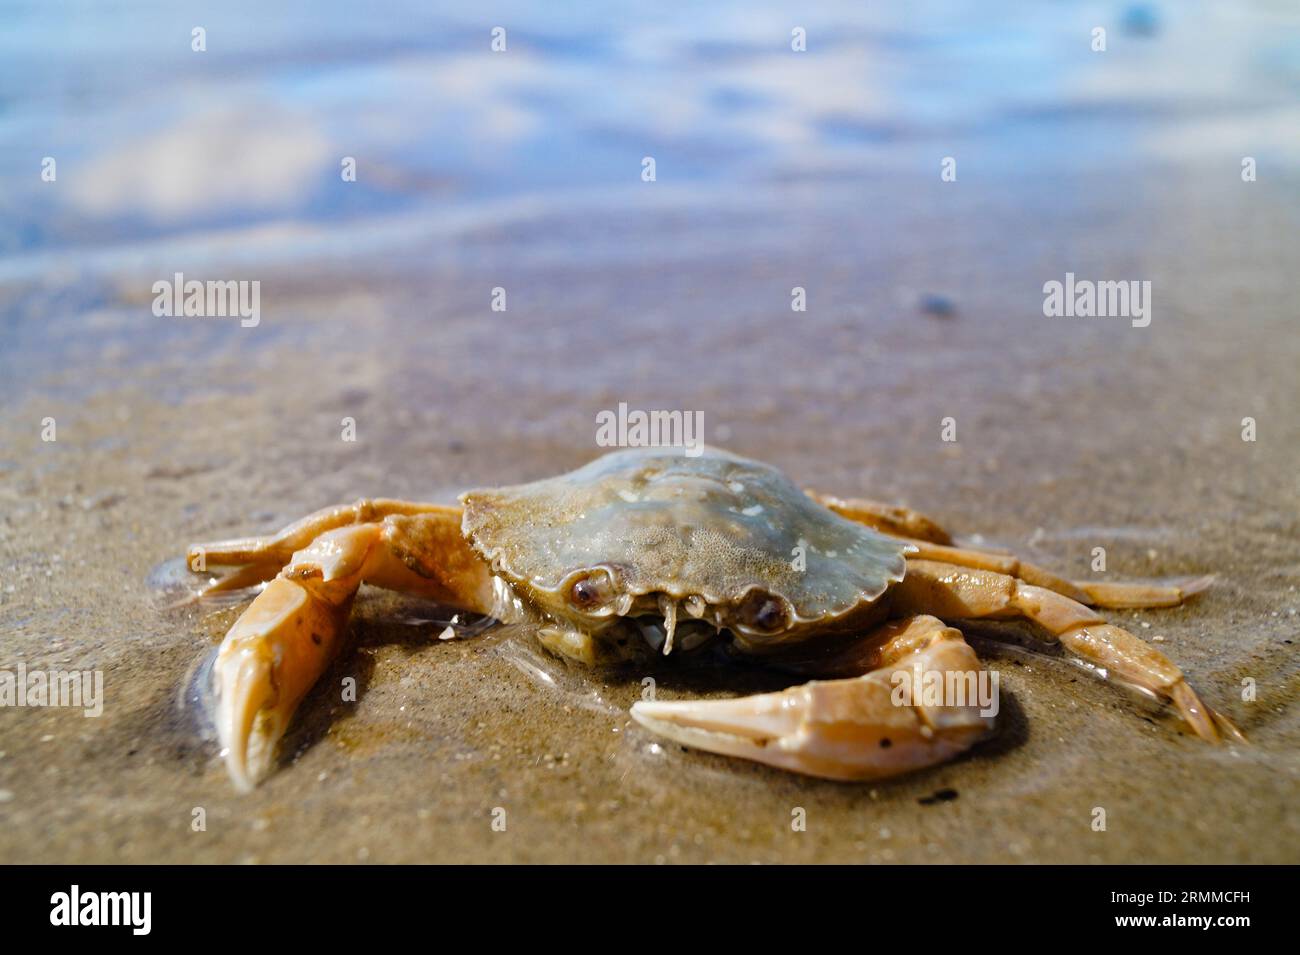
852, 729
244, 685
268, 661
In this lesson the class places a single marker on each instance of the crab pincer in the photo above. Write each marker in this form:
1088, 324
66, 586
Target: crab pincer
856, 728
285, 640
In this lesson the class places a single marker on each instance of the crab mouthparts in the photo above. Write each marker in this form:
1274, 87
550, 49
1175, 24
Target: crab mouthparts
668, 607
666, 631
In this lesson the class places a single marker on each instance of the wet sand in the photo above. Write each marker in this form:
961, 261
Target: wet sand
1071, 434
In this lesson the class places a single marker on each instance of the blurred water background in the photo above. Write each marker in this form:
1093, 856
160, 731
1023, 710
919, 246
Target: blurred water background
522, 170
233, 154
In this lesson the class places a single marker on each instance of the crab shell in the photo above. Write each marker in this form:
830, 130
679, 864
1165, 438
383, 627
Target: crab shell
727, 540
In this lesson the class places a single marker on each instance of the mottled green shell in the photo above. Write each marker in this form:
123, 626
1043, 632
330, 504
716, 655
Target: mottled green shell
716, 525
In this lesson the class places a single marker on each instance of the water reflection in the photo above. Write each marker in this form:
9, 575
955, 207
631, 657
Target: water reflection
153, 139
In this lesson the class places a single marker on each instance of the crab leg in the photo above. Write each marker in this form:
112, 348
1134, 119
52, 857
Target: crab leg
260, 558
288, 636
892, 519
1136, 596
931, 542
1113, 596
955, 593
1007, 564
848, 729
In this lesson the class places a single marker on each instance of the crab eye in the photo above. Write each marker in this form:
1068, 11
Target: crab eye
590, 592
762, 611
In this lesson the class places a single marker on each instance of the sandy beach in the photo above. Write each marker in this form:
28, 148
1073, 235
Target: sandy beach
924, 303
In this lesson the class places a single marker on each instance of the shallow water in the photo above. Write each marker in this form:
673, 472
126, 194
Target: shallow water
775, 170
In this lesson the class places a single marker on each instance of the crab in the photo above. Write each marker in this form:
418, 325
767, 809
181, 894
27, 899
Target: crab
649, 551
